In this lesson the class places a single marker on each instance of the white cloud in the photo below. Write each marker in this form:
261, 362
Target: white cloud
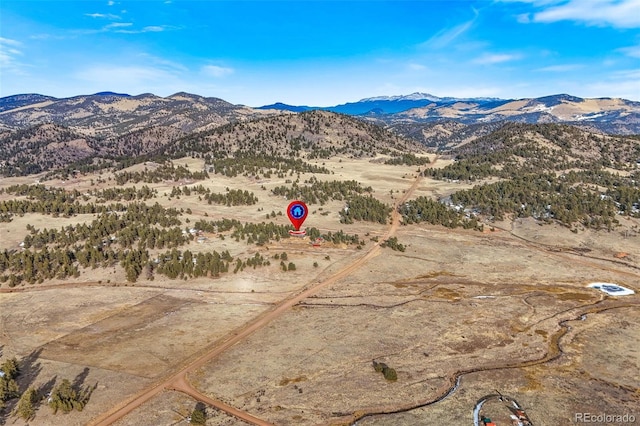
45, 36
535, 2
8, 52
148, 29
416, 67
561, 68
102, 15
133, 78
616, 13
154, 28
633, 51
620, 84
446, 36
118, 25
216, 71
162, 63
110, 3
10, 42
495, 58
150, 77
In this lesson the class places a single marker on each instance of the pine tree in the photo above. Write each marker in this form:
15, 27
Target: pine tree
26, 405
65, 398
198, 415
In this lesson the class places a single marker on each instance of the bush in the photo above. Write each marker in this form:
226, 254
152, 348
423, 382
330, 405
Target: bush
198, 415
390, 374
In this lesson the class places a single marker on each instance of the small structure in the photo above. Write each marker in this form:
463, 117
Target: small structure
504, 410
612, 289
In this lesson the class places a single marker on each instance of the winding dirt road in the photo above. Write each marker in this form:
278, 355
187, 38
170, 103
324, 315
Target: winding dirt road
178, 380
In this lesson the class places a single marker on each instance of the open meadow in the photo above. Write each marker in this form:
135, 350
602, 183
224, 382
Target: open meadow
455, 313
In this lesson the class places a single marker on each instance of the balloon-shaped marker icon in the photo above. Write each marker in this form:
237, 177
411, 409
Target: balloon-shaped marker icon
297, 212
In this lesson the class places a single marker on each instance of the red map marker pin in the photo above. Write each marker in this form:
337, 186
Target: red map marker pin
297, 212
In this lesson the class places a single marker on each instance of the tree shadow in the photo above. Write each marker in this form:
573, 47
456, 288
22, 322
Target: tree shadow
78, 382
44, 391
84, 392
30, 368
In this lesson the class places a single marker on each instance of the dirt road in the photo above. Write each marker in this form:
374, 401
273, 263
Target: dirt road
178, 380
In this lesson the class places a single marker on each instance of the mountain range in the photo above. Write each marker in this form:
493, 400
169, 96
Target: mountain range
109, 114
608, 115
40, 133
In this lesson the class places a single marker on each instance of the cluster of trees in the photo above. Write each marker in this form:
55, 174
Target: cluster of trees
262, 233
514, 150
563, 179
408, 160
54, 207
466, 169
37, 266
40, 199
104, 232
65, 396
9, 388
340, 237
253, 233
543, 197
424, 209
126, 194
178, 264
250, 164
233, 197
287, 267
107, 240
25, 151
315, 191
393, 244
149, 226
365, 208
627, 199
164, 172
84, 166
41, 192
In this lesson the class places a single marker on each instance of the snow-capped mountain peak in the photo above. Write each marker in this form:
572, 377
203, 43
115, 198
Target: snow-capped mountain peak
417, 96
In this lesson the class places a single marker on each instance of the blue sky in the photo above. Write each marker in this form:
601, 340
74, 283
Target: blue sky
321, 52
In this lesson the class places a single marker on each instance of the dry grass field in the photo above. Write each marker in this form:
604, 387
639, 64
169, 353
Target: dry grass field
496, 309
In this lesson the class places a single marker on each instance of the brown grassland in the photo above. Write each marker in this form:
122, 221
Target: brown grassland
499, 309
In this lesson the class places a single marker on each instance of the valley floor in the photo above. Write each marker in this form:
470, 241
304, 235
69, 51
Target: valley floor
458, 315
